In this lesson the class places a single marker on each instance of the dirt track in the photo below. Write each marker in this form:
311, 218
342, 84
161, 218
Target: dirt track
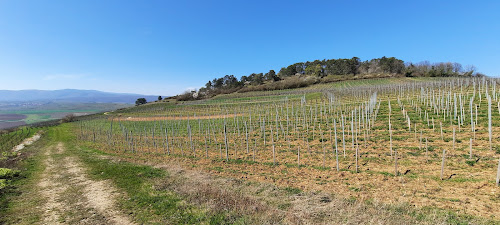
71, 197
160, 118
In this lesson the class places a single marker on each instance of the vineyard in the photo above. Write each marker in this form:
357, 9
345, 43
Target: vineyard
9, 140
429, 143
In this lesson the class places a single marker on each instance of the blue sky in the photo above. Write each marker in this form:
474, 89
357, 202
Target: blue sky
164, 47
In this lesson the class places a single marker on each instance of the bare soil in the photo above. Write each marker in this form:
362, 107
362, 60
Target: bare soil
161, 118
27, 141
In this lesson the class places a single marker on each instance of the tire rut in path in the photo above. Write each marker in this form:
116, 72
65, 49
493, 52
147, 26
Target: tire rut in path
72, 197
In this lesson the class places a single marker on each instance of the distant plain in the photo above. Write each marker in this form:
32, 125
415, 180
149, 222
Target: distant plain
19, 114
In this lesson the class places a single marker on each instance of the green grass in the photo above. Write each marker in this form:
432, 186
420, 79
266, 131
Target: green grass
12, 139
147, 203
34, 118
18, 203
471, 162
293, 190
8, 173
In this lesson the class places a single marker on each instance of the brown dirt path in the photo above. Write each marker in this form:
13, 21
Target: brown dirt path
71, 197
161, 118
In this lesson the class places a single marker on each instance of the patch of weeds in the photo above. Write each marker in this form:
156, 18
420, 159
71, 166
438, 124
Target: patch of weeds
414, 153
241, 161
351, 200
355, 189
190, 157
290, 165
412, 148
325, 199
284, 206
292, 190
372, 159
387, 174
321, 168
398, 138
260, 190
6, 176
270, 164
3, 183
470, 162
218, 169
379, 127
8, 173
463, 179
410, 175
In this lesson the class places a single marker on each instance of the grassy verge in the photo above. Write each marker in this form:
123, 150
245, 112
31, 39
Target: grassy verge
144, 202
19, 201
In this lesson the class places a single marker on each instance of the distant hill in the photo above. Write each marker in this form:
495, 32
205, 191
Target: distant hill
71, 95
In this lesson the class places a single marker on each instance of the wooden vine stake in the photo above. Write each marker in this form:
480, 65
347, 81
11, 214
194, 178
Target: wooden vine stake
442, 164
441, 126
395, 162
390, 128
225, 141
206, 146
336, 146
322, 146
498, 173
470, 149
489, 121
246, 136
272, 141
357, 156
190, 139
298, 157
426, 151
453, 139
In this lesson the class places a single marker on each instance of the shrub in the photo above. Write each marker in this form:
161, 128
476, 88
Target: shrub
8, 173
288, 83
68, 118
186, 96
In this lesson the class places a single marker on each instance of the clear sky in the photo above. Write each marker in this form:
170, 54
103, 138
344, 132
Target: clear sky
164, 47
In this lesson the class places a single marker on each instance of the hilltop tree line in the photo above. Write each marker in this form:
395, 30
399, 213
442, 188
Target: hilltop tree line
327, 70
